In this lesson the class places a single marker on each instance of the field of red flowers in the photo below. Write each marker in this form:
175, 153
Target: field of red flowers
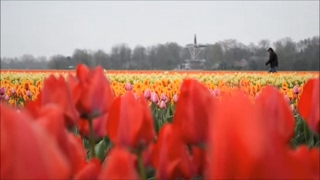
78, 128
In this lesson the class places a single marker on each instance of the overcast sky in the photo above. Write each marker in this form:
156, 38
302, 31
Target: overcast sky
59, 27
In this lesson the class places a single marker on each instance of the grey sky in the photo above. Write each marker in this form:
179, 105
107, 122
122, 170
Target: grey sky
58, 27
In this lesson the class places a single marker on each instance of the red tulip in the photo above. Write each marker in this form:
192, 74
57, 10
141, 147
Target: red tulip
147, 155
308, 105
99, 124
240, 140
305, 163
90, 171
93, 93
93, 96
56, 91
119, 164
237, 143
192, 112
277, 115
23, 152
50, 117
130, 122
170, 156
199, 160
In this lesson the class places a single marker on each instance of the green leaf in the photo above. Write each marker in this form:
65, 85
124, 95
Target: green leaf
100, 149
168, 114
294, 143
306, 133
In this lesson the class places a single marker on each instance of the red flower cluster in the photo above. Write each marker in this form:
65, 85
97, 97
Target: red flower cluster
231, 137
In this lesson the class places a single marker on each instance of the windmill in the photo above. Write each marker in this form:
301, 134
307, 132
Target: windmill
194, 62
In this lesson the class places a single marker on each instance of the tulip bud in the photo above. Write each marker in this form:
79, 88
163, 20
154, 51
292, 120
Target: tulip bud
28, 93
128, 87
162, 105
13, 91
163, 97
154, 97
2, 91
147, 94
175, 98
295, 90
6, 97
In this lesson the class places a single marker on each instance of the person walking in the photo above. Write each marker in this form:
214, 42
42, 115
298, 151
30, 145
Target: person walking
273, 61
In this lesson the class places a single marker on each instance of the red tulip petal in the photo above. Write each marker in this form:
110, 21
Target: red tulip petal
192, 112
96, 96
170, 156
55, 90
90, 171
308, 105
23, 154
120, 164
129, 122
278, 117
82, 72
237, 140
51, 118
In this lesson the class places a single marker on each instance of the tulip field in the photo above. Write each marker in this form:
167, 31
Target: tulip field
91, 123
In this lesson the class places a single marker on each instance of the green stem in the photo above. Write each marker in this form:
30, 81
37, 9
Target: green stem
91, 138
142, 171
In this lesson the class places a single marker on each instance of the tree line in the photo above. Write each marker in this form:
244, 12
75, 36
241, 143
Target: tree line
223, 55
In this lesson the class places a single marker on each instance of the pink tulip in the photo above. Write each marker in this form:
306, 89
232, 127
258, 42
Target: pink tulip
162, 105
154, 97
296, 89
28, 93
147, 93
167, 100
175, 98
2, 91
13, 91
163, 97
128, 87
6, 97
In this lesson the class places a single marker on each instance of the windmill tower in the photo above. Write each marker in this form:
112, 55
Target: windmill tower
194, 62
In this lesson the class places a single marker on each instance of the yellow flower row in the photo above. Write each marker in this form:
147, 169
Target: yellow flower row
27, 85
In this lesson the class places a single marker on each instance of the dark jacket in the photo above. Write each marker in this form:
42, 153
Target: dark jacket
273, 60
